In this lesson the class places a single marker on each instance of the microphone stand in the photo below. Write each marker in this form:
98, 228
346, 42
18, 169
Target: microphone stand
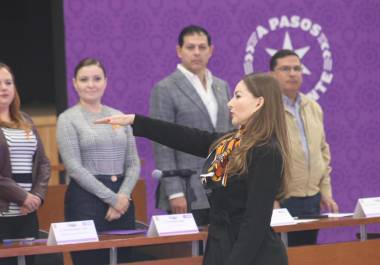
190, 197
189, 193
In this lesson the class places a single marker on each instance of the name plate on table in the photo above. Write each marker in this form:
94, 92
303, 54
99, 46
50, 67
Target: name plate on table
72, 232
367, 207
172, 224
281, 217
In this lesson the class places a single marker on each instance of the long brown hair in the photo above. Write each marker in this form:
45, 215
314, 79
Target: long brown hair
265, 124
17, 120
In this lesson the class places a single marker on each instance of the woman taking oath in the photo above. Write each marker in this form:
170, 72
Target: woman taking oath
101, 161
24, 167
244, 171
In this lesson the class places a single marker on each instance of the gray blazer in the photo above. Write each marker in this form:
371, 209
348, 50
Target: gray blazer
174, 99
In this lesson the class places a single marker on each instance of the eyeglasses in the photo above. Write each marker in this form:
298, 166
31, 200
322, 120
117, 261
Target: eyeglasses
287, 69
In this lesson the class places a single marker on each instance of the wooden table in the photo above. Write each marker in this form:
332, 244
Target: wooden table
110, 242
363, 252
366, 252
329, 223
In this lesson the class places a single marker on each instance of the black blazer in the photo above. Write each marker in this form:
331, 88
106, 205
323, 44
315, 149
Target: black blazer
240, 213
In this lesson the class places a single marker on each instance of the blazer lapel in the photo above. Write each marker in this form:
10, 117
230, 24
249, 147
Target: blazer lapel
187, 88
218, 92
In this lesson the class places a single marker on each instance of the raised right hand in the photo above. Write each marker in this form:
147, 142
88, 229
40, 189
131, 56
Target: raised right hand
121, 120
178, 205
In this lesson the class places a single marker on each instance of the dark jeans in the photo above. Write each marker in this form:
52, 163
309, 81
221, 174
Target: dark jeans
301, 206
18, 227
82, 205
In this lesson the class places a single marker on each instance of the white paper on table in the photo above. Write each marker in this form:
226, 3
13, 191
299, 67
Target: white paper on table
367, 207
281, 217
72, 232
338, 215
172, 224
298, 221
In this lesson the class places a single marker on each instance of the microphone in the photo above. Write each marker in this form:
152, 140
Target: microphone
184, 173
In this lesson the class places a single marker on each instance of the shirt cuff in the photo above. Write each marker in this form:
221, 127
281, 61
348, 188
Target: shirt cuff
176, 195
326, 190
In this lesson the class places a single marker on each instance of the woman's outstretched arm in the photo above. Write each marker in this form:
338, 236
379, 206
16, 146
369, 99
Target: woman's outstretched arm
182, 138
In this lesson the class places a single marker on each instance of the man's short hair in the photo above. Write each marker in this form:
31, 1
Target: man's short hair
278, 55
191, 30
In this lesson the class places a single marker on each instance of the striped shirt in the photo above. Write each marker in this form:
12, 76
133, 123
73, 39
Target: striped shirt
22, 146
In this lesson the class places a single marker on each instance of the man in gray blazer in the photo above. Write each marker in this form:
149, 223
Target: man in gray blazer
190, 96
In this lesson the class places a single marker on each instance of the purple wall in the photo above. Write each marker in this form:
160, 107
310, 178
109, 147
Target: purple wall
136, 41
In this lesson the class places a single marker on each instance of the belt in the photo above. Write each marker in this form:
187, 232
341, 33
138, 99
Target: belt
113, 178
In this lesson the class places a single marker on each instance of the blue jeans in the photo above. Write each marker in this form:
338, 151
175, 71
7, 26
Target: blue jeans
300, 206
82, 205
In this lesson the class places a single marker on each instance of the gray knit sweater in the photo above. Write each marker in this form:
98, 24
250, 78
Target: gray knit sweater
89, 149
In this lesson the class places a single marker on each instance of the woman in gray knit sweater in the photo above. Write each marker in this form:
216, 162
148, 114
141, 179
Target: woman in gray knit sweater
102, 162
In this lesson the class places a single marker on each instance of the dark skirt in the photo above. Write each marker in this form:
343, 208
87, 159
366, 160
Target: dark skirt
82, 205
18, 227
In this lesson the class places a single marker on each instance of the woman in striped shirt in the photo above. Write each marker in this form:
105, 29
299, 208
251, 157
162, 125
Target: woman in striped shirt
24, 167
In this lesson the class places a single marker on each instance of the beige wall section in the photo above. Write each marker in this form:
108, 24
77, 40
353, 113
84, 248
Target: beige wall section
45, 120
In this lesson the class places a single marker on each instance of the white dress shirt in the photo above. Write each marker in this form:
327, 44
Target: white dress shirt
206, 94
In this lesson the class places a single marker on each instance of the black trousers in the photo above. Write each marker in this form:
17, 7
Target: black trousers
18, 227
82, 205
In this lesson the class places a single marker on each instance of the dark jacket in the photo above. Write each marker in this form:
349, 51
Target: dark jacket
240, 213
9, 190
